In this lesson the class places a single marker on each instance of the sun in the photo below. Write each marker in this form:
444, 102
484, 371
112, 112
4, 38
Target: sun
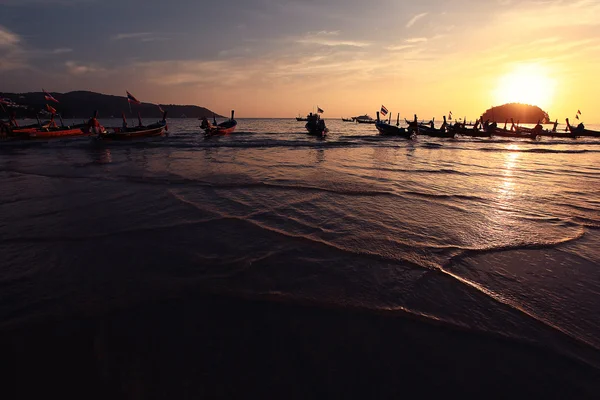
527, 84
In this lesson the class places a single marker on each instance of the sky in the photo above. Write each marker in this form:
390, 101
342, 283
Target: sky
278, 58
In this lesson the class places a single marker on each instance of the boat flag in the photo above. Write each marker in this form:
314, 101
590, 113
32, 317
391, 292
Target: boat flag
578, 112
450, 115
577, 116
49, 97
51, 109
132, 99
384, 110
320, 110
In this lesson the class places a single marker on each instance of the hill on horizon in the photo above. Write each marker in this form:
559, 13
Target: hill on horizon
82, 104
524, 113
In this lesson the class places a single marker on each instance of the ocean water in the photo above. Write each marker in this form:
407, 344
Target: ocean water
490, 235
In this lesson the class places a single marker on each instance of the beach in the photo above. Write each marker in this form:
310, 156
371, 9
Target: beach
271, 263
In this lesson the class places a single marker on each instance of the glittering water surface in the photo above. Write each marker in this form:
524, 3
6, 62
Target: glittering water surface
489, 234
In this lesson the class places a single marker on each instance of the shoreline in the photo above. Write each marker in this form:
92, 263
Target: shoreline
222, 346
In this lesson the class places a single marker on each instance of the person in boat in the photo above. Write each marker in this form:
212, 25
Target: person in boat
538, 129
13, 120
205, 124
414, 125
52, 123
321, 125
93, 126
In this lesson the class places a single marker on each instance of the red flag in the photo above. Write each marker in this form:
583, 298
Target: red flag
578, 112
132, 99
49, 97
51, 109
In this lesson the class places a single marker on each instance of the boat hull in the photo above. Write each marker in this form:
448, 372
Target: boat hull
224, 128
427, 131
513, 134
120, 134
44, 134
392, 130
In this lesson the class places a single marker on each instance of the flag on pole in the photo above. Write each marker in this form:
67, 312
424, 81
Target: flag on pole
384, 110
51, 109
132, 99
320, 110
578, 112
49, 97
450, 115
577, 116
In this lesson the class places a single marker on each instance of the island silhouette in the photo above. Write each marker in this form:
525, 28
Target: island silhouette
523, 113
82, 104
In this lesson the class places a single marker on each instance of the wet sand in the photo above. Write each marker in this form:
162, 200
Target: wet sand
205, 346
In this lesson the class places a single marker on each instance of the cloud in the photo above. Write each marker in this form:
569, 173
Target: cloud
7, 38
11, 54
44, 2
416, 40
399, 47
134, 35
414, 19
75, 68
329, 38
61, 50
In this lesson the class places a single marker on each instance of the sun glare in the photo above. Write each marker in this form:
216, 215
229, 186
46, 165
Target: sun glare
527, 84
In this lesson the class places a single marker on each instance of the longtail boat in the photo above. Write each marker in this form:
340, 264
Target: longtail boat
580, 130
137, 132
47, 131
224, 128
316, 126
430, 130
388, 129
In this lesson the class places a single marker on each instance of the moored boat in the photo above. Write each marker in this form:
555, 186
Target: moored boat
141, 131
387, 129
347, 119
224, 128
364, 119
48, 130
431, 130
580, 130
316, 126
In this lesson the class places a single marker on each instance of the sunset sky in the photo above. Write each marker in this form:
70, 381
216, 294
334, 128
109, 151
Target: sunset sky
275, 58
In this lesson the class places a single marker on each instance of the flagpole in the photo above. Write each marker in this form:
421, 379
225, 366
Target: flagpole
128, 102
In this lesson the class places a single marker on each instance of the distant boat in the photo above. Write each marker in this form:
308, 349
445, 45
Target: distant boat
347, 119
364, 119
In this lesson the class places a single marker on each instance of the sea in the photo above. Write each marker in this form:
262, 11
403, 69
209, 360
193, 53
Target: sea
486, 238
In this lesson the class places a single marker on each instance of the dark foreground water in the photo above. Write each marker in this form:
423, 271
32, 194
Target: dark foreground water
276, 264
